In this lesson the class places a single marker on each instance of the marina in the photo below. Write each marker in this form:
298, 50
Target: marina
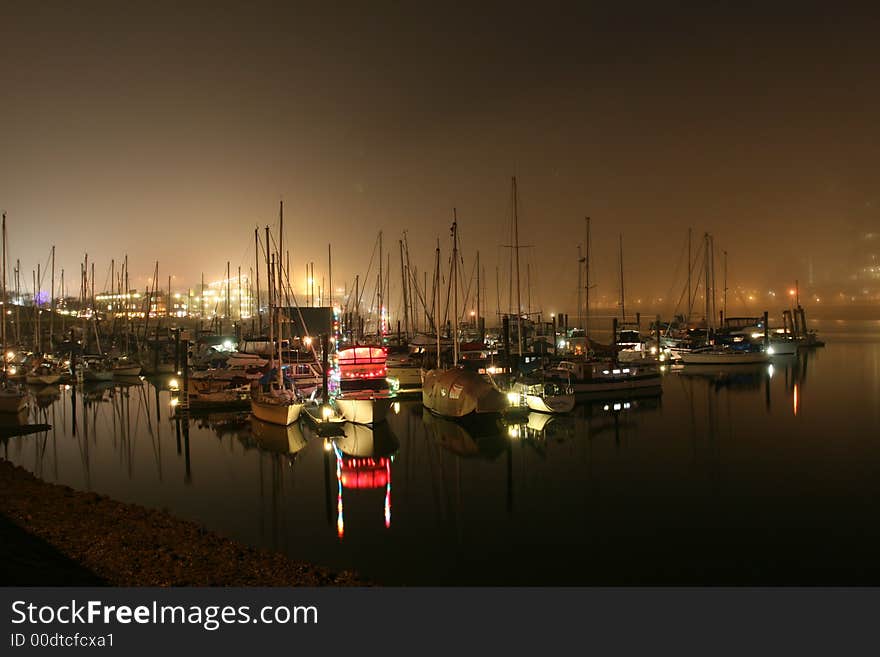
619, 490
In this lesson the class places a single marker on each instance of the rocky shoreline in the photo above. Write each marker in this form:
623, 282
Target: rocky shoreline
128, 545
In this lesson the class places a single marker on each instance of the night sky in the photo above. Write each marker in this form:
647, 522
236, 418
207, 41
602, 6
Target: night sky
169, 133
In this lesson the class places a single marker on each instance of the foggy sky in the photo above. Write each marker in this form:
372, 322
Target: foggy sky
170, 133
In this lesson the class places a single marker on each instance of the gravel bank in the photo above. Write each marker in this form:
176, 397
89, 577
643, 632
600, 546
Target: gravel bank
128, 545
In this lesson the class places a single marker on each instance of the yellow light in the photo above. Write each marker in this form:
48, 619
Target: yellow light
327, 445
513, 398
173, 385
326, 412
174, 401
308, 341
396, 408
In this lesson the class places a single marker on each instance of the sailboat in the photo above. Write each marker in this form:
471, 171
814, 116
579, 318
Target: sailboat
713, 353
279, 404
457, 392
11, 400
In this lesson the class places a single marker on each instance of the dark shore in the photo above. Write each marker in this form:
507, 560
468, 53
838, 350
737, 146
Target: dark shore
52, 535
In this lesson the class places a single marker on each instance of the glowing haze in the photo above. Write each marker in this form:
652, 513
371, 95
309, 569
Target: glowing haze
170, 134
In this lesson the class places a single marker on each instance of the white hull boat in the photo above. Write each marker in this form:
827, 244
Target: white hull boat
586, 378
783, 347
276, 411
363, 408
550, 403
726, 357
409, 377
127, 370
246, 360
545, 397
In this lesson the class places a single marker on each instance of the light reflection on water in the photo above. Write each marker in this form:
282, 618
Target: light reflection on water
734, 476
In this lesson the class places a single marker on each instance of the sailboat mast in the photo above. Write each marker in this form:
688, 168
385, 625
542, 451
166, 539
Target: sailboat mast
51, 303
63, 302
381, 300
690, 268
587, 286
404, 291
268, 280
478, 296
622, 290
706, 268
127, 304
269, 272
580, 290
519, 340
257, 263
724, 299
437, 301
3, 277
454, 274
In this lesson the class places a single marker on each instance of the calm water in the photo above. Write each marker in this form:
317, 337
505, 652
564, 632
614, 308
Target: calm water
763, 475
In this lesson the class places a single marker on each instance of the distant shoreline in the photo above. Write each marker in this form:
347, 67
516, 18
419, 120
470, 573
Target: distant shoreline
72, 537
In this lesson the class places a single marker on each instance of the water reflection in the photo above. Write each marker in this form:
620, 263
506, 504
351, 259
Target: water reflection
703, 475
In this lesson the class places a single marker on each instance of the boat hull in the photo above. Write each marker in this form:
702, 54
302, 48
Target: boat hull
283, 414
408, 377
784, 347
366, 410
133, 370
731, 358
551, 404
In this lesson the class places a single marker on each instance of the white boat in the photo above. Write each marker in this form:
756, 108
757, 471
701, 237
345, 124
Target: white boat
246, 360
94, 370
782, 346
720, 356
125, 367
407, 374
586, 377
364, 407
277, 407
545, 397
